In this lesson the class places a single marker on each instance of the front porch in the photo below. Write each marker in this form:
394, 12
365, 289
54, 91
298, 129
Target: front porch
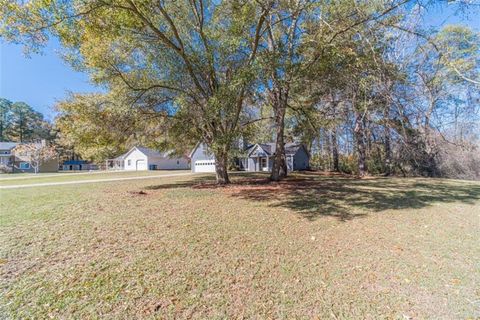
114, 164
261, 164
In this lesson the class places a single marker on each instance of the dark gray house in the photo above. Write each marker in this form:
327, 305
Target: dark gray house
257, 157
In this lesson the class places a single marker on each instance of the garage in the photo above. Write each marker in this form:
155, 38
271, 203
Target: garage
141, 165
142, 159
204, 166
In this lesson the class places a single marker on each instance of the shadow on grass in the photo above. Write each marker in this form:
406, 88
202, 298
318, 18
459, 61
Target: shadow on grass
313, 195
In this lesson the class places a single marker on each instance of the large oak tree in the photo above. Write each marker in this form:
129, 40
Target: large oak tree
192, 61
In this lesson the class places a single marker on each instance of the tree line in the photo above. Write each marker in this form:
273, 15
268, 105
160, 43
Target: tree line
19, 122
361, 83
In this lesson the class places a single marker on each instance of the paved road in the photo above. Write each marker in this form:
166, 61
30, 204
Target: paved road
8, 176
45, 184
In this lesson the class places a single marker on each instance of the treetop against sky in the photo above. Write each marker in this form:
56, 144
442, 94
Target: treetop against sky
43, 79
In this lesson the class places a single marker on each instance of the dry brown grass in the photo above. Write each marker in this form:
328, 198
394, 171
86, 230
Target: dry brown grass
313, 246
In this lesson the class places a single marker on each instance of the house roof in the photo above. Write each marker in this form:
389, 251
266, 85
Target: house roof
150, 152
120, 157
194, 149
269, 148
292, 148
7, 145
146, 151
73, 162
265, 146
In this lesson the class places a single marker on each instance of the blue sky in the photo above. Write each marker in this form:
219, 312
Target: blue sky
41, 80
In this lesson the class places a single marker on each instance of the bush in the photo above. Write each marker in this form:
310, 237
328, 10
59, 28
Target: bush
5, 169
348, 164
459, 162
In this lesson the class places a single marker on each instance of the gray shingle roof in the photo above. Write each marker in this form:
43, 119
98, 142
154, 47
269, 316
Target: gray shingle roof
120, 158
290, 148
7, 145
150, 152
147, 151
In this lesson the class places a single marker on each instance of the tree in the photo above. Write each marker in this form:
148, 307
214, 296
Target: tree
459, 47
24, 119
409, 100
99, 127
192, 61
280, 61
359, 79
35, 154
299, 34
20, 123
5, 118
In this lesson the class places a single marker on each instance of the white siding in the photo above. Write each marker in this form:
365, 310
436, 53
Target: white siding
169, 164
201, 153
136, 160
204, 166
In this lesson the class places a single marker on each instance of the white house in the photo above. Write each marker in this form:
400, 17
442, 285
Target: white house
141, 158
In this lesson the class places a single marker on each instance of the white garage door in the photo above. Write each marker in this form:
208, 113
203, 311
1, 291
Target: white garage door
141, 165
205, 166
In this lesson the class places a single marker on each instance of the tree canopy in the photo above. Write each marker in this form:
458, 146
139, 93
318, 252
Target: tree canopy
20, 123
99, 127
360, 83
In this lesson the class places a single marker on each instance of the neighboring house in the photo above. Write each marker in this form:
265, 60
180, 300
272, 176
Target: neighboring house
141, 158
77, 165
12, 162
258, 157
6, 155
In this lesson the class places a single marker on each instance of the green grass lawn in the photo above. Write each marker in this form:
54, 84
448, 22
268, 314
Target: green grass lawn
30, 178
311, 247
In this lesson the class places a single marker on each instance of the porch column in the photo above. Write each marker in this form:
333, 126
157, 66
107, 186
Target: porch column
268, 169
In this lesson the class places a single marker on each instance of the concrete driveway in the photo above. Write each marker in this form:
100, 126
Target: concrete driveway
46, 184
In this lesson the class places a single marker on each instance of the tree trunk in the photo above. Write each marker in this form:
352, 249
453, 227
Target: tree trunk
360, 144
279, 168
221, 165
336, 167
328, 158
388, 151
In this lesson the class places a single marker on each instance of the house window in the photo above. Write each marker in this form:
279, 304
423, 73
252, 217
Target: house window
263, 162
178, 162
24, 165
129, 162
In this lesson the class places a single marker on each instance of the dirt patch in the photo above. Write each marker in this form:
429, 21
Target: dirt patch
137, 193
